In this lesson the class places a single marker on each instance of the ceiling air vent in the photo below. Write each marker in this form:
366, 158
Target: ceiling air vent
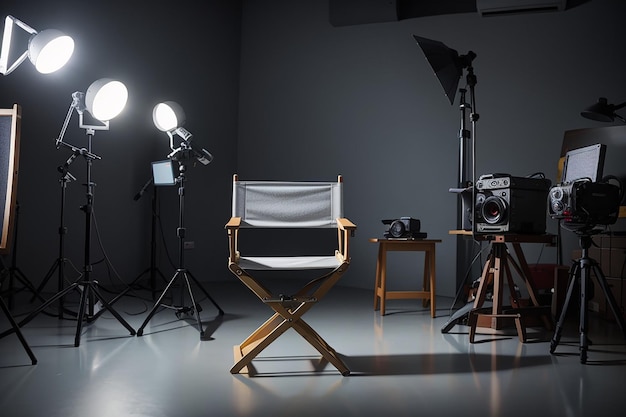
504, 7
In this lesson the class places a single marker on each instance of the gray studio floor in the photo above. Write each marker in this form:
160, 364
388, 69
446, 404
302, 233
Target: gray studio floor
401, 364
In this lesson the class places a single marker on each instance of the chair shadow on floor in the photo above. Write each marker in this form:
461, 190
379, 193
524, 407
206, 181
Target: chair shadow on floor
393, 364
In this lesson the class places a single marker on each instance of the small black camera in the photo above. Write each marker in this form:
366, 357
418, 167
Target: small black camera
403, 228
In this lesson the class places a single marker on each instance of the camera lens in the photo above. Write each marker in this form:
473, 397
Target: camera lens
397, 229
556, 193
494, 210
557, 207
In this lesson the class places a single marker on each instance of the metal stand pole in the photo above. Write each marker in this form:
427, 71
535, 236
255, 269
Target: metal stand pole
181, 271
87, 287
153, 269
467, 198
59, 263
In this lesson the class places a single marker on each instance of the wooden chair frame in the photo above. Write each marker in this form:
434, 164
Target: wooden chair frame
288, 309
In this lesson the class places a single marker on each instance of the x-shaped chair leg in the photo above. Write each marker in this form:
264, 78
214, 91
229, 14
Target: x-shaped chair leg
288, 315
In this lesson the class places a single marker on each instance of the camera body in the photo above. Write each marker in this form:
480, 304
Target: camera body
583, 203
403, 228
508, 204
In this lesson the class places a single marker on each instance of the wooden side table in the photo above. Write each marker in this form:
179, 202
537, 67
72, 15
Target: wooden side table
428, 289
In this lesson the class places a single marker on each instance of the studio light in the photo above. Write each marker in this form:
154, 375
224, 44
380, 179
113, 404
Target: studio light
48, 50
602, 111
449, 66
446, 63
168, 117
105, 99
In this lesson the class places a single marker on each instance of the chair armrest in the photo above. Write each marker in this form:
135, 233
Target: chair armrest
232, 228
233, 223
345, 224
346, 230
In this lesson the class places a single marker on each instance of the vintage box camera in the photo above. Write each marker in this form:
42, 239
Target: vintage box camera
403, 228
508, 204
585, 203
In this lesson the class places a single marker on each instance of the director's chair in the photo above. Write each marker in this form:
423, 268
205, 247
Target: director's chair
299, 206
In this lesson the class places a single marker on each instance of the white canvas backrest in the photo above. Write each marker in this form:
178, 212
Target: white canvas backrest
284, 204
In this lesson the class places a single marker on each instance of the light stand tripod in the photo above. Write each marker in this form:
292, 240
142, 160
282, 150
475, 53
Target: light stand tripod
16, 328
466, 190
86, 286
181, 271
153, 269
13, 271
448, 66
59, 263
580, 273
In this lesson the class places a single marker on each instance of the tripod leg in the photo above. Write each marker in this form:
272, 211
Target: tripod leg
15, 274
573, 277
157, 304
18, 331
58, 264
128, 288
89, 292
610, 298
108, 307
81, 312
26, 282
131, 286
34, 313
51, 271
221, 312
457, 317
193, 303
583, 324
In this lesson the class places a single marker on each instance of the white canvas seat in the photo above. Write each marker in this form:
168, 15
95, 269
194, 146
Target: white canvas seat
272, 205
288, 262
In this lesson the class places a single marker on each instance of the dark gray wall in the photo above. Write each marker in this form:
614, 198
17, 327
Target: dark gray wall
162, 52
273, 90
361, 100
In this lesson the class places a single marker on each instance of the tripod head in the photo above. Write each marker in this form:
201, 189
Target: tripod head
585, 241
185, 152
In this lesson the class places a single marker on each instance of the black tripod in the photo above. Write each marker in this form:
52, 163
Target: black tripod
86, 286
15, 328
580, 273
59, 263
13, 270
181, 271
153, 269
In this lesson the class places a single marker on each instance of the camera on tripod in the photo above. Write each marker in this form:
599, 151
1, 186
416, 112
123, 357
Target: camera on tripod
508, 204
585, 203
403, 228
584, 199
